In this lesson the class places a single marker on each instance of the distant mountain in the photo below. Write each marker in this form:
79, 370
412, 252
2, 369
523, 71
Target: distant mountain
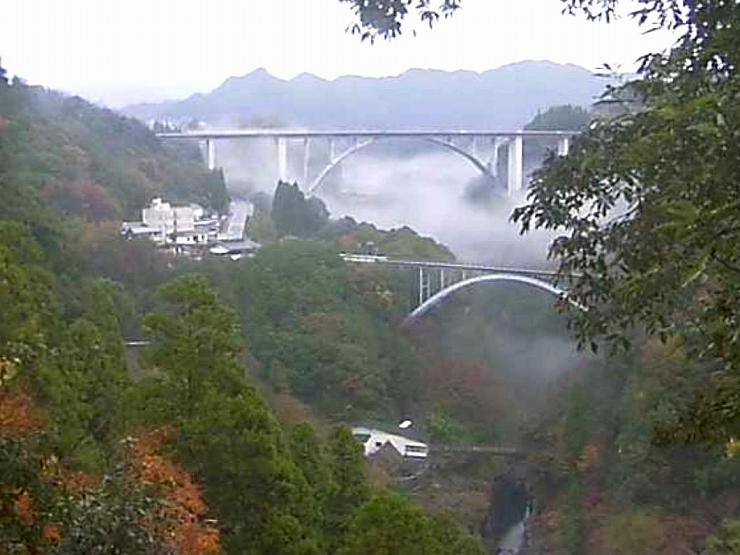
506, 97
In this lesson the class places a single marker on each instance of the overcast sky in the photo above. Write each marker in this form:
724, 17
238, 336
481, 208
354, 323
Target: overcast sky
121, 51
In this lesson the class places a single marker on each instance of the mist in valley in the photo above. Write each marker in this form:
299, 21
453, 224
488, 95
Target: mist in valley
427, 189
513, 330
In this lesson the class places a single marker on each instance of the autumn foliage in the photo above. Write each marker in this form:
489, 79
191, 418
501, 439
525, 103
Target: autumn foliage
183, 507
18, 417
179, 512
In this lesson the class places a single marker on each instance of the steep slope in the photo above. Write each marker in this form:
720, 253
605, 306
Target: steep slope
504, 97
93, 163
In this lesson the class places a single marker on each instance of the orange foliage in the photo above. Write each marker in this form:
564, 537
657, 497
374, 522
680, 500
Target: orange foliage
18, 417
184, 502
50, 533
23, 508
76, 483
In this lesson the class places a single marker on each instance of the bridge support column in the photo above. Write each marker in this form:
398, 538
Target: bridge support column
332, 150
493, 160
474, 147
211, 153
563, 146
306, 159
282, 158
516, 165
425, 286
442, 278
421, 286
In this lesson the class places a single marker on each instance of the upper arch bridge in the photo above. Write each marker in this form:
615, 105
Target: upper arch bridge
480, 148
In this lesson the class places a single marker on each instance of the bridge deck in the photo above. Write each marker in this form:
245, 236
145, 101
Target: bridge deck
370, 259
489, 449
359, 133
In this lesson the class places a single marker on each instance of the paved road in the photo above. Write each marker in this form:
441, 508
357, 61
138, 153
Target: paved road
239, 212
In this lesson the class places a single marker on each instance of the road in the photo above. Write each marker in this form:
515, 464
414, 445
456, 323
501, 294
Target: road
239, 212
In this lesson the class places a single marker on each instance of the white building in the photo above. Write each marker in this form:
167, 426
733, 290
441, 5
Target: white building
169, 219
179, 226
374, 440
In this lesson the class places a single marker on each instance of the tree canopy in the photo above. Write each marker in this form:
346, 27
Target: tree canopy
648, 206
647, 202
387, 18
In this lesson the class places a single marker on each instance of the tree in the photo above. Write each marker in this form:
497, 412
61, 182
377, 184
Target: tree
261, 500
389, 524
648, 206
311, 459
727, 541
385, 18
224, 430
564, 118
293, 214
350, 478
85, 386
197, 345
647, 202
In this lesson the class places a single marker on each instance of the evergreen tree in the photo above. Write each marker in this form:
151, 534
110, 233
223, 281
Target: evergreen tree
226, 432
197, 345
293, 214
310, 458
389, 524
261, 500
351, 488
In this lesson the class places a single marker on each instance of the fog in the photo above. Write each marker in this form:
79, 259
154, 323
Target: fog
428, 193
425, 189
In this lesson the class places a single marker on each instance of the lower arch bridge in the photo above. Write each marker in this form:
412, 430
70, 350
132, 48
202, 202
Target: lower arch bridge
452, 277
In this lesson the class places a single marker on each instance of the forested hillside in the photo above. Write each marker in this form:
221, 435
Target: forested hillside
187, 457
507, 369
93, 163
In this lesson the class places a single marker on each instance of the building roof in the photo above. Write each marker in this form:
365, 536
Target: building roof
376, 439
231, 247
138, 228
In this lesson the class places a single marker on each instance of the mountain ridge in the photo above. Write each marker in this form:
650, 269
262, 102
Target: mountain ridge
507, 96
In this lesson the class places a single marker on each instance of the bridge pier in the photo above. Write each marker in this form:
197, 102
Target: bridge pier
492, 162
516, 166
464, 143
282, 158
563, 146
211, 154
306, 160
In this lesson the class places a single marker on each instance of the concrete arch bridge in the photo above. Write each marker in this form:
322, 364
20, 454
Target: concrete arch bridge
480, 148
437, 281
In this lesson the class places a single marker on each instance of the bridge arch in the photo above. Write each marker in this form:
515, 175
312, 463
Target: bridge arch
483, 168
440, 296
